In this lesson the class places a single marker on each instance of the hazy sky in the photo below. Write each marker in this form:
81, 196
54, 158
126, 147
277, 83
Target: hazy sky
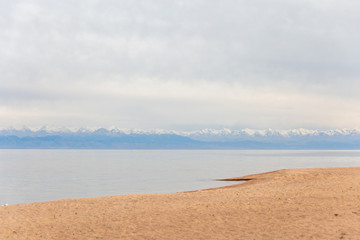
180, 64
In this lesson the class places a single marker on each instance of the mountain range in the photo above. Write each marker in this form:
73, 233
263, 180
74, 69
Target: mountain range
116, 138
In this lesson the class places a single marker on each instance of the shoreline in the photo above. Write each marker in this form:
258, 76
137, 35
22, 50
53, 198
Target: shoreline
318, 203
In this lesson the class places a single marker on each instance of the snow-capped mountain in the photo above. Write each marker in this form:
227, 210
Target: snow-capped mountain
301, 138
202, 133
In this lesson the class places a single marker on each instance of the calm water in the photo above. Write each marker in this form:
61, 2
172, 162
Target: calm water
43, 175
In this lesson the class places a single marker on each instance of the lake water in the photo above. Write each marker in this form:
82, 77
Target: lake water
42, 175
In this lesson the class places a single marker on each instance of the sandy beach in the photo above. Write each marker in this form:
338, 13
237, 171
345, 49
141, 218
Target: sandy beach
285, 204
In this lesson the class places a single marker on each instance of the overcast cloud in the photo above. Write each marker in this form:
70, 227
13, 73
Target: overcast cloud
180, 64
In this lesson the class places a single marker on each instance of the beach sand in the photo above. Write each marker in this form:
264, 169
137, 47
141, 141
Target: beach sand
285, 204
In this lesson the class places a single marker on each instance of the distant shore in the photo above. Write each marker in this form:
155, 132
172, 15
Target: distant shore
319, 203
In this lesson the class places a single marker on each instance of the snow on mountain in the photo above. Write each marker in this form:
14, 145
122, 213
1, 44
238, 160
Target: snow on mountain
118, 138
197, 134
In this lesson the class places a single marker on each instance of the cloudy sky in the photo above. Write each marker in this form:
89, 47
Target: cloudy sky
180, 65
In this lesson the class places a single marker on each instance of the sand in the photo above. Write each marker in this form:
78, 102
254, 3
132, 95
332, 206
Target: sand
285, 204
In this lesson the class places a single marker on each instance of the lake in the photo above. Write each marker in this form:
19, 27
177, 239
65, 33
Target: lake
43, 175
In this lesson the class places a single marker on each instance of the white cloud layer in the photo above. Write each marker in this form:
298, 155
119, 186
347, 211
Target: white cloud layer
180, 64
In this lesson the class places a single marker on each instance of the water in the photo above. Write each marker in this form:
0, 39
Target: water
43, 175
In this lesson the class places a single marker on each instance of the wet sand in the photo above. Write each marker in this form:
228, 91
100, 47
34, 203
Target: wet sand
285, 204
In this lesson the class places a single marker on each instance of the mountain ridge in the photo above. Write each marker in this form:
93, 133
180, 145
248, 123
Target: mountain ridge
116, 138
43, 131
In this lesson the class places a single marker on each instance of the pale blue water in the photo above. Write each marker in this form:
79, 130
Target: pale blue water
43, 175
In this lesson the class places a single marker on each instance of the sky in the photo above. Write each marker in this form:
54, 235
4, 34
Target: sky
180, 65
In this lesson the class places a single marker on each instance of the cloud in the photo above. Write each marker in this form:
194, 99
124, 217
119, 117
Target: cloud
174, 105
180, 63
